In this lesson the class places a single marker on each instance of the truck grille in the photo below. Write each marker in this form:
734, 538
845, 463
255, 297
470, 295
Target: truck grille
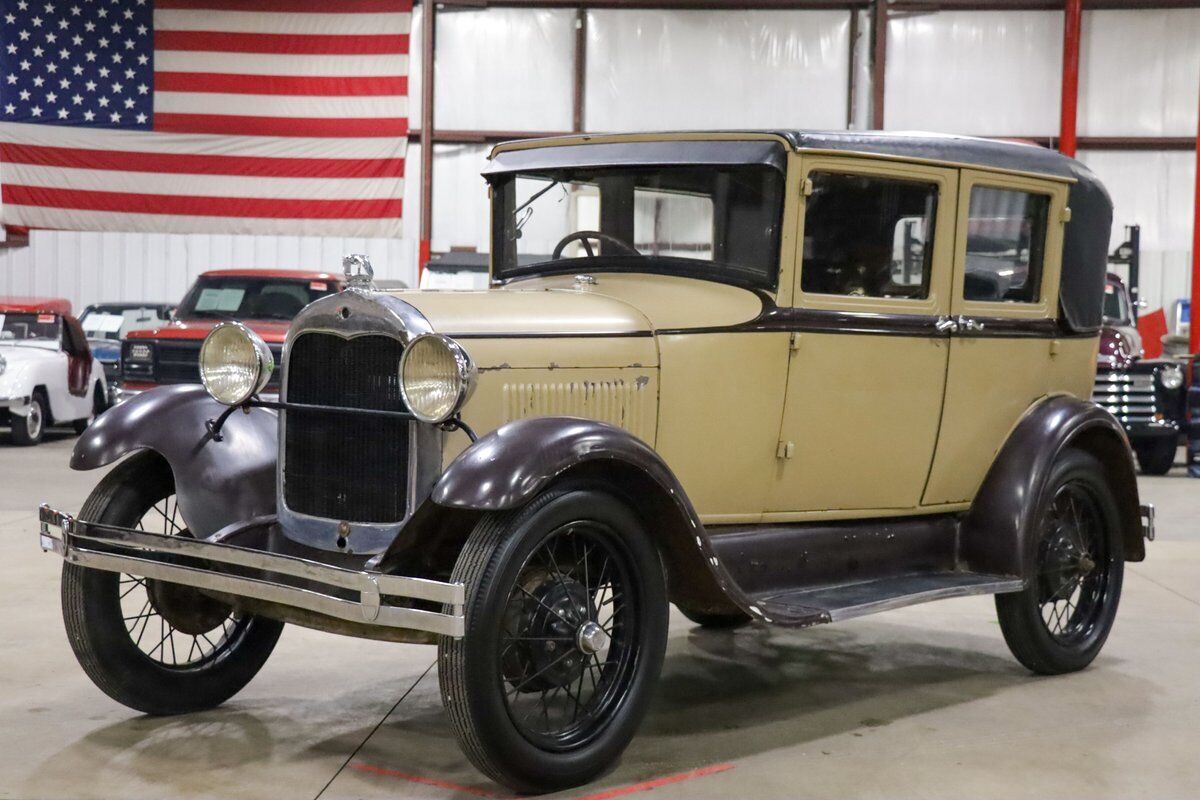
1129, 396
345, 466
177, 363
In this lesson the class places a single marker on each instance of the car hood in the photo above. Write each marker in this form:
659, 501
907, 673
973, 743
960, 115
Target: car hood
1120, 346
20, 361
272, 331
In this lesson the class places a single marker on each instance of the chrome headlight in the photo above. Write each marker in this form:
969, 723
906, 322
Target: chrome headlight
436, 377
235, 363
138, 351
1171, 376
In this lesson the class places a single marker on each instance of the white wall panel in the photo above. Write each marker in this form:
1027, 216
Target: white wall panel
505, 69
653, 70
1154, 190
95, 267
975, 72
1139, 72
460, 204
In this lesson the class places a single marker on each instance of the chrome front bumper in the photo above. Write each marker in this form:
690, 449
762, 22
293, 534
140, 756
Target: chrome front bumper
353, 595
1147, 515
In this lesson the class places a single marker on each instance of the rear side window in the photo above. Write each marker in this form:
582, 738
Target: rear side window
1006, 245
868, 236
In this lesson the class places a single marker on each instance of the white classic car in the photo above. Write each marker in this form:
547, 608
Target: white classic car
48, 375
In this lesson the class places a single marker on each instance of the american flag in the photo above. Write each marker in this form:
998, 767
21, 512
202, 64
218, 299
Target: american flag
187, 116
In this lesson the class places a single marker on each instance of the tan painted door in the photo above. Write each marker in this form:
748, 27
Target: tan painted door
868, 363
1005, 297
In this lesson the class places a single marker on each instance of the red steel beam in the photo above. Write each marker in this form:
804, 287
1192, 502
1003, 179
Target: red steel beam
1194, 326
879, 31
1070, 77
579, 86
428, 41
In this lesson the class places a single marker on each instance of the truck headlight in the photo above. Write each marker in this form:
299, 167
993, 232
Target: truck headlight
1170, 376
235, 363
139, 352
436, 377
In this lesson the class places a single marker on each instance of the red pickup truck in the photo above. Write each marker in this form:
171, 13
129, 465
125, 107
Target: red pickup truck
263, 300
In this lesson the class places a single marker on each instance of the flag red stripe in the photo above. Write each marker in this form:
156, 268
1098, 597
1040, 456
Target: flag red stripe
281, 126
185, 164
278, 84
129, 203
295, 6
285, 43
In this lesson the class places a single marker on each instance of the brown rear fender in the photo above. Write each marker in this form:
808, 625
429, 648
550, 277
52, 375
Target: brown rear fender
998, 532
217, 483
510, 466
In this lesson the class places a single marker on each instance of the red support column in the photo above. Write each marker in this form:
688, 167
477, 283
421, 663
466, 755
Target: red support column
1070, 76
428, 43
1194, 344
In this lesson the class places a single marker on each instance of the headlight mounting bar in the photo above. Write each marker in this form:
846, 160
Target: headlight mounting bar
214, 426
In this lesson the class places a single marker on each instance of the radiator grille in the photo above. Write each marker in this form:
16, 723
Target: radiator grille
1129, 396
345, 466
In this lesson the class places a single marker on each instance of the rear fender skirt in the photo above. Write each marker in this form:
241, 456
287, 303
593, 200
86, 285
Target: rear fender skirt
508, 467
217, 483
998, 532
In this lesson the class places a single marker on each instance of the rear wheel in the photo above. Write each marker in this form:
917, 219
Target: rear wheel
156, 647
1059, 622
28, 430
566, 627
1157, 456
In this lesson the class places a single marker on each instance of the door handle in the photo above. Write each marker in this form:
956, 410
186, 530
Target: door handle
968, 324
946, 325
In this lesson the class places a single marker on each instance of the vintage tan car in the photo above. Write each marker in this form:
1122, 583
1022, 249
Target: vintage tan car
775, 377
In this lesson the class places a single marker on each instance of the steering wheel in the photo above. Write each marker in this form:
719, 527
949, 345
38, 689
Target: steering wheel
583, 236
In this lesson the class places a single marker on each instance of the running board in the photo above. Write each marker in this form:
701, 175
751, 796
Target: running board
831, 603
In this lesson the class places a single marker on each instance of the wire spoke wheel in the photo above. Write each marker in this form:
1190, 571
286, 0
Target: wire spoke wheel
568, 642
1073, 565
175, 626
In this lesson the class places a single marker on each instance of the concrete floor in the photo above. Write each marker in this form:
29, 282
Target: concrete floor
922, 702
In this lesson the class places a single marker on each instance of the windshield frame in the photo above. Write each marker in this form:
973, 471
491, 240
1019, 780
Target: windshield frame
41, 342
1123, 299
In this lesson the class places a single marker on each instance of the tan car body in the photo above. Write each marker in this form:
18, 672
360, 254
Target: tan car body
777, 426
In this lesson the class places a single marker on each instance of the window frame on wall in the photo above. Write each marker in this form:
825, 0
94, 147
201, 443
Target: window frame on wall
1046, 307
939, 256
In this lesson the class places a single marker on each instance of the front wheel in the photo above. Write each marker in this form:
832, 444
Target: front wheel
159, 648
29, 428
1062, 618
566, 627
1156, 457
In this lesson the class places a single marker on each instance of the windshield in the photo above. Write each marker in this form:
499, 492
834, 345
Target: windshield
115, 322
22, 328
1116, 304
718, 223
219, 297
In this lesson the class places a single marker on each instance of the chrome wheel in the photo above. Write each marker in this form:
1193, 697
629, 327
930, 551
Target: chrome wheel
34, 421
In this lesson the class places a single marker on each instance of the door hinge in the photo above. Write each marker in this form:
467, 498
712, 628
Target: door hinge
794, 341
785, 450
806, 187
1065, 216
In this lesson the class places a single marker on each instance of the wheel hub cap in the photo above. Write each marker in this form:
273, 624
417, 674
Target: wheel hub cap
591, 638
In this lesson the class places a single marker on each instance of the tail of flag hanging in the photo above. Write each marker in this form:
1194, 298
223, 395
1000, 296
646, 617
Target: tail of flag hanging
190, 116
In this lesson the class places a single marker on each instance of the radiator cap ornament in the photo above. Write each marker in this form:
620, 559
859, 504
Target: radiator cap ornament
358, 272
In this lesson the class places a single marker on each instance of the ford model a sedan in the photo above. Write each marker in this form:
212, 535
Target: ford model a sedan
781, 378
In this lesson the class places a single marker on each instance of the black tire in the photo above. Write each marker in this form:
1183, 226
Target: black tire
104, 645
716, 620
1061, 620
98, 408
29, 429
1157, 456
514, 596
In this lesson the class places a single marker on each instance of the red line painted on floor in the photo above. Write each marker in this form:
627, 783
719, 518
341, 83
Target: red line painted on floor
646, 786
404, 776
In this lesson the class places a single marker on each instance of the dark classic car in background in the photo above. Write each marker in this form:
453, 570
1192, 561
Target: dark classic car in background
680, 403
107, 324
1147, 395
264, 300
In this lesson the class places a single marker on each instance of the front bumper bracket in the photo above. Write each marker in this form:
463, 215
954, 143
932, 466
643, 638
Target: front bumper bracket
360, 596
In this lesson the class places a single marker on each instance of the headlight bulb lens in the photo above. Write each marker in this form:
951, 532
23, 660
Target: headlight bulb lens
1171, 376
235, 363
436, 377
